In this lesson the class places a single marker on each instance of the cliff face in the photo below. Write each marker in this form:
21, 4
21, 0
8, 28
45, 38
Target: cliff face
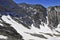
28, 13
35, 13
54, 16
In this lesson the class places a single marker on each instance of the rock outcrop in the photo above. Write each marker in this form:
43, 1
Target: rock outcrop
54, 16
35, 14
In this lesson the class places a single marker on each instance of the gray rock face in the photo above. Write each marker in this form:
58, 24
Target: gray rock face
54, 16
35, 13
27, 13
7, 30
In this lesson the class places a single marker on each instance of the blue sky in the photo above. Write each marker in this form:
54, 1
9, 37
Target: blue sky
45, 3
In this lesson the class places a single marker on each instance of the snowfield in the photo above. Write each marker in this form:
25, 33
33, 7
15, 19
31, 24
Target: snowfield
28, 34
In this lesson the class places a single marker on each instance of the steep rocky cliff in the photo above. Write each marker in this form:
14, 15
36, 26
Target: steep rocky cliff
28, 13
54, 16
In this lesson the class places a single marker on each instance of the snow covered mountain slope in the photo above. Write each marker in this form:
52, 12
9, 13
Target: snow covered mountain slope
28, 22
43, 33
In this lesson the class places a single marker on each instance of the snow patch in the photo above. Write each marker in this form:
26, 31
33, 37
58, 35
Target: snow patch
3, 37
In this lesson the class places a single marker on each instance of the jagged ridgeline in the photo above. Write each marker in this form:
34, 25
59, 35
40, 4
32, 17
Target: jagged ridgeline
29, 14
26, 14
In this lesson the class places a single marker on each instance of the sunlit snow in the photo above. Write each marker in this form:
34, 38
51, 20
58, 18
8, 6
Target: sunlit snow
23, 31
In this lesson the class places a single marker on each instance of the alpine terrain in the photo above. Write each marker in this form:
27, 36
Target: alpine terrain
28, 21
